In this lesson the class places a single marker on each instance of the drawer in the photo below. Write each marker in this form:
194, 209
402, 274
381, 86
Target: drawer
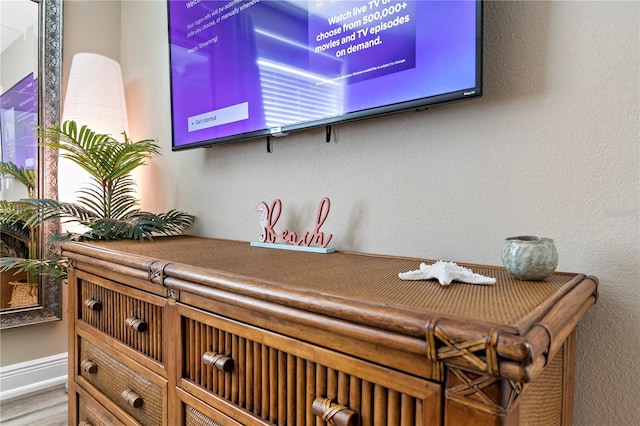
193, 417
196, 413
285, 381
91, 413
128, 315
136, 391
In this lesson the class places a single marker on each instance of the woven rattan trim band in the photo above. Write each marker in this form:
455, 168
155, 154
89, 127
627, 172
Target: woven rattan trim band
156, 271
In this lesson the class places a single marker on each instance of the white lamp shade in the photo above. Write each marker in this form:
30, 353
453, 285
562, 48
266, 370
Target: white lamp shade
95, 98
95, 95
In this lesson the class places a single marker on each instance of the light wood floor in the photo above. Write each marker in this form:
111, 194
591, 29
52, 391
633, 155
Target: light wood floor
44, 408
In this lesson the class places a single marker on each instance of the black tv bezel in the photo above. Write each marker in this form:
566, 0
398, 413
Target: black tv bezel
412, 105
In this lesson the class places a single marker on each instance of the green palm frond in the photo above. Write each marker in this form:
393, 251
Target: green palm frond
107, 207
12, 247
141, 225
53, 268
176, 222
16, 212
41, 210
24, 176
102, 156
110, 201
14, 231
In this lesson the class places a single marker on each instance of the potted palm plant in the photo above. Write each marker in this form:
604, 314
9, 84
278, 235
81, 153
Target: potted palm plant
107, 208
18, 240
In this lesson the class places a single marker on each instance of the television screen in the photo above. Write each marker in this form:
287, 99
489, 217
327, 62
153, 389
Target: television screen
241, 69
18, 121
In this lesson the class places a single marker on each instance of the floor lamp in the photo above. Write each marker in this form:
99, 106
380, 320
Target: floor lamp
95, 98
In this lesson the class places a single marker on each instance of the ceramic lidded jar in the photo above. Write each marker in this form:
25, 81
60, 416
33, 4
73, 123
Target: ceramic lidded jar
530, 258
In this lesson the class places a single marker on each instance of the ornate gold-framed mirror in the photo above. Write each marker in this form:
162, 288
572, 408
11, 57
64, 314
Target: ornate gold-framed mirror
48, 51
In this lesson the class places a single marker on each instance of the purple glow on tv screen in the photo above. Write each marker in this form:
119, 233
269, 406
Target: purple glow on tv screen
18, 121
241, 69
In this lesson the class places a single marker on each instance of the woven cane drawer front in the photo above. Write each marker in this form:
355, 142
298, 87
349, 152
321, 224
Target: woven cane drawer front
286, 381
194, 412
194, 417
90, 413
130, 316
132, 391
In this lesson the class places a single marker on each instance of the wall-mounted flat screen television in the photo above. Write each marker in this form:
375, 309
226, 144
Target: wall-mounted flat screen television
242, 69
18, 121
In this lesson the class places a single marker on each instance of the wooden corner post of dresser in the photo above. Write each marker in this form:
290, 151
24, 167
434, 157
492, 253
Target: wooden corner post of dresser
72, 354
479, 399
172, 345
473, 399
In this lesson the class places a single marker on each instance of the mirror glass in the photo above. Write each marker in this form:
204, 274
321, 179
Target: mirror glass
30, 82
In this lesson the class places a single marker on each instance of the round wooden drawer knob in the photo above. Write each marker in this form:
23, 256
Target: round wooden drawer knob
218, 361
89, 366
132, 398
138, 324
333, 413
93, 304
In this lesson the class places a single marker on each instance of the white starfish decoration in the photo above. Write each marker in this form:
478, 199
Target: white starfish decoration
445, 273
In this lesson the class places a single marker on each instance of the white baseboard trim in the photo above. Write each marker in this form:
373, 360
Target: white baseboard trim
26, 377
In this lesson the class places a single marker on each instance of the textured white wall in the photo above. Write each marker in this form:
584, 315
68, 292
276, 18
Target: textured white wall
551, 149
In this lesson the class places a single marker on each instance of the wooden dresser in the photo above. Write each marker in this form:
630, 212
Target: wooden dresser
195, 331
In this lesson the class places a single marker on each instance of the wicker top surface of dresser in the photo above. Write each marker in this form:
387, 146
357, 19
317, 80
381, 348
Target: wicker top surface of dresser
353, 276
